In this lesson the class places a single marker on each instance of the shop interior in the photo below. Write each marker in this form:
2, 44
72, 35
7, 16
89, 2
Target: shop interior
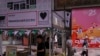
25, 40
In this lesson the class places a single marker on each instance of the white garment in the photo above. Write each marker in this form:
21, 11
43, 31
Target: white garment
69, 42
84, 48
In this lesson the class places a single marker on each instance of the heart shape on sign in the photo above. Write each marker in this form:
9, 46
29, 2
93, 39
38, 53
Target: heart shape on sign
67, 14
43, 15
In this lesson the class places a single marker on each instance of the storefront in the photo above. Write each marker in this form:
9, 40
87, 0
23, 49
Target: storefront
22, 21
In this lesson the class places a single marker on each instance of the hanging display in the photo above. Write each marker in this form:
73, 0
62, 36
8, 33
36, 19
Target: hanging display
25, 40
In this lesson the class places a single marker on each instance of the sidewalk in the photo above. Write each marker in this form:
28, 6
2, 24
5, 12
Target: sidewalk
91, 52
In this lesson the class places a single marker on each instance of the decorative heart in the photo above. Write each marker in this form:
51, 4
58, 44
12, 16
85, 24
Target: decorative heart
67, 14
43, 15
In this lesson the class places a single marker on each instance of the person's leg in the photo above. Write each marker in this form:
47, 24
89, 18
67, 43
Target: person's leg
69, 51
82, 54
87, 53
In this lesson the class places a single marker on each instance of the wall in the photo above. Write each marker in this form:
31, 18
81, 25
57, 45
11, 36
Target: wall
41, 7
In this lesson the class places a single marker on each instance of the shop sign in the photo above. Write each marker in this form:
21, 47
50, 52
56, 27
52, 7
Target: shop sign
67, 20
21, 19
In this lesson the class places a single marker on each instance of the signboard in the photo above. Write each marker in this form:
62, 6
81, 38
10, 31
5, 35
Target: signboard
59, 4
22, 19
43, 18
11, 51
86, 24
26, 14
68, 17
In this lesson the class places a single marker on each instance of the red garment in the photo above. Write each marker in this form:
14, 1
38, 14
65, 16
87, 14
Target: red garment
25, 41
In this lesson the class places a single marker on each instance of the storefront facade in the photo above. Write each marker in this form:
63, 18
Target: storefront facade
22, 20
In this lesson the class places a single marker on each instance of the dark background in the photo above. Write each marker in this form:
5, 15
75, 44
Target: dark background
60, 4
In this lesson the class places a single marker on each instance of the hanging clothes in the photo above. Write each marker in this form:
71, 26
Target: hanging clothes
25, 41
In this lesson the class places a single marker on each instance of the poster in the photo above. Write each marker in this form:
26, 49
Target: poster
86, 24
11, 51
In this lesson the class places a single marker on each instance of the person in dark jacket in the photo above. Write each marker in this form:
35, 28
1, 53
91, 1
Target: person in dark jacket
40, 46
47, 46
47, 43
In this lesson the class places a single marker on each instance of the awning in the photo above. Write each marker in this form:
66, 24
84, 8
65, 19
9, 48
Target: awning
1, 31
28, 32
35, 31
21, 32
10, 32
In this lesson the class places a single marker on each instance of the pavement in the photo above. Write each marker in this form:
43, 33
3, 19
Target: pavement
91, 52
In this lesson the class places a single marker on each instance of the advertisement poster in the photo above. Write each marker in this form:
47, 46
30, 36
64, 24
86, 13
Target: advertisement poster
86, 24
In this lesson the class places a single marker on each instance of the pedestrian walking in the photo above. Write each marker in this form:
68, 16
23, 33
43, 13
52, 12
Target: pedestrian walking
69, 47
47, 46
85, 48
40, 46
